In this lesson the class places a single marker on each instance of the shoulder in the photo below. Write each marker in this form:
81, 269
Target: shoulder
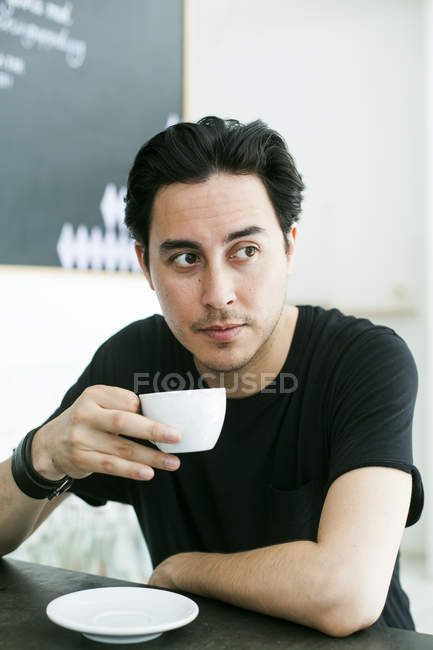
133, 347
334, 324
341, 332
149, 329
344, 343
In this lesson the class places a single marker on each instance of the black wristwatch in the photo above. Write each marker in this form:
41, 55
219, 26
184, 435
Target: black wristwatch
28, 479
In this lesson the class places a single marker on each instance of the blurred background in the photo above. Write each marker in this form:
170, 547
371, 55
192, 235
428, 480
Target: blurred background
348, 83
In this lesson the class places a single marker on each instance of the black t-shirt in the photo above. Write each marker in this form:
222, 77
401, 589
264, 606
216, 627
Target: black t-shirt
344, 399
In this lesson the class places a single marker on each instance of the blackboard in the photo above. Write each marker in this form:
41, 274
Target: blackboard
83, 84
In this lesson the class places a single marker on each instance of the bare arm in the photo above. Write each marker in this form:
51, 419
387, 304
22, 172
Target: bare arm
19, 514
337, 585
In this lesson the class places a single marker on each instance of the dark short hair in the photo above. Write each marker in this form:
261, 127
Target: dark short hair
190, 152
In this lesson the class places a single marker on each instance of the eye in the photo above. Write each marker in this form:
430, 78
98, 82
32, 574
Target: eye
191, 258
187, 256
248, 249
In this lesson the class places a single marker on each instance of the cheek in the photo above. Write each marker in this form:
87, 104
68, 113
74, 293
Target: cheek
268, 277
176, 297
269, 287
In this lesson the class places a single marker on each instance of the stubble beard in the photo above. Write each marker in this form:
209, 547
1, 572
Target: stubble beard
229, 371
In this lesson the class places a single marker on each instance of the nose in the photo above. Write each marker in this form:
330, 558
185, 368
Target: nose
217, 288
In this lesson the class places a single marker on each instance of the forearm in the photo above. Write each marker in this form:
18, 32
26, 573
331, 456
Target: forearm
286, 580
18, 512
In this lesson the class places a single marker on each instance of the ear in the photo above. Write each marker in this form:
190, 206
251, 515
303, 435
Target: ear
139, 251
291, 238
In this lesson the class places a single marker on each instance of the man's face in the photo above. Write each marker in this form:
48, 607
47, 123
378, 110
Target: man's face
214, 280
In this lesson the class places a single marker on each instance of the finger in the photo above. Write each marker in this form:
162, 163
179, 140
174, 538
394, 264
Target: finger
133, 425
95, 461
113, 397
120, 447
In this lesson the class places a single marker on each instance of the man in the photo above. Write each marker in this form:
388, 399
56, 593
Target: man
299, 510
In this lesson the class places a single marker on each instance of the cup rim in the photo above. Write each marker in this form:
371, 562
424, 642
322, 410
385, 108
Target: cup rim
183, 392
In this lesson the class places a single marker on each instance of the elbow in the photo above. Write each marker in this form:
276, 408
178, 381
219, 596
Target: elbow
353, 607
346, 620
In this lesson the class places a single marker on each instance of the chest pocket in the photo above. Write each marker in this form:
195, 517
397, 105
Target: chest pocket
293, 514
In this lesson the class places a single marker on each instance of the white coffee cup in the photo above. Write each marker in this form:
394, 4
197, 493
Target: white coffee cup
197, 414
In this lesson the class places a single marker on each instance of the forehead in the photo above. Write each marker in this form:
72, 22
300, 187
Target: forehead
218, 201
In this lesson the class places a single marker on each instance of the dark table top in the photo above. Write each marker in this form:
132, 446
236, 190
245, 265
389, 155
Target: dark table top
26, 589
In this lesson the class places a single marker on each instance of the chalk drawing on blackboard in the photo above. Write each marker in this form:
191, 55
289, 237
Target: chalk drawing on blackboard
95, 249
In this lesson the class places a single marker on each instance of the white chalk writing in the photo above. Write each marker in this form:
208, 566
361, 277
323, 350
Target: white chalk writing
61, 15
31, 35
12, 63
6, 80
35, 7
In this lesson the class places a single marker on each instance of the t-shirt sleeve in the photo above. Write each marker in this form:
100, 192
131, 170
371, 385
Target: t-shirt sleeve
374, 393
95, 489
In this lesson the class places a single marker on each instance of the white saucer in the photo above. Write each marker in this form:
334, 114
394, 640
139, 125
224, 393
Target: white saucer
122, 614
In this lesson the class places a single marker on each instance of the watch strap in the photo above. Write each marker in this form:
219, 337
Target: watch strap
28, 479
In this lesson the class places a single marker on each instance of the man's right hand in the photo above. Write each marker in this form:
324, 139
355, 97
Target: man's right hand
87, 438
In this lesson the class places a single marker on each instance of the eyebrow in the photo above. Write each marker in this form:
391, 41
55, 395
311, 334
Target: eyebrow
173, 244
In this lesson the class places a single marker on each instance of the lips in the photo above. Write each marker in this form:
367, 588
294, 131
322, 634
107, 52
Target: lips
222, 328
223, 334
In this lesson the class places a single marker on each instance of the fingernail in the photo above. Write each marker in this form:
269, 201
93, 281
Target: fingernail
171, 435
145, 472
171, 463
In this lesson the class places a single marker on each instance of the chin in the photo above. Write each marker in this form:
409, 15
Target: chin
233, 362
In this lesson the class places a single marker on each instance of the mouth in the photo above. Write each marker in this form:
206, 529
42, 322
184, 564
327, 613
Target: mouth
222, 328
225, 333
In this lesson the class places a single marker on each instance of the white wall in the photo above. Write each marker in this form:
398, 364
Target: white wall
343, 81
